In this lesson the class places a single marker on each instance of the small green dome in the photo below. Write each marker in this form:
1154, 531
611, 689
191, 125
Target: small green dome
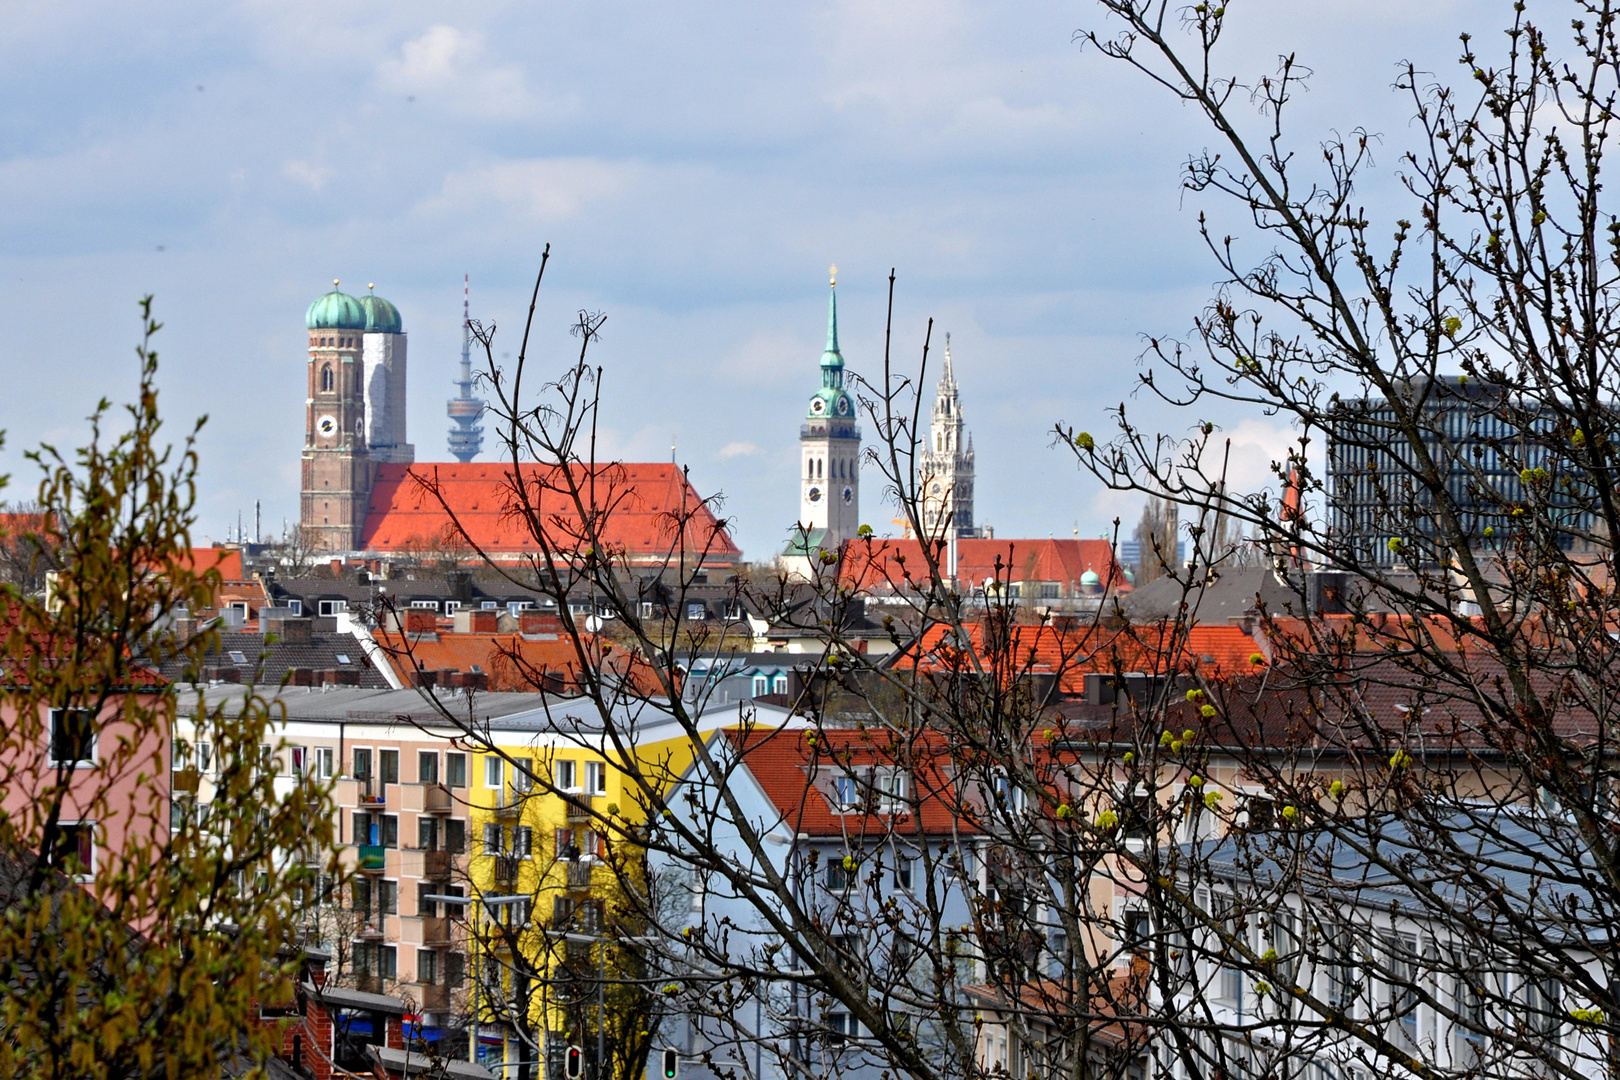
1090, 579
381, 316
336, 311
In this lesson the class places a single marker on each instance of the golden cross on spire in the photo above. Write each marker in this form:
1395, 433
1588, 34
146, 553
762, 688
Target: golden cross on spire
832, 272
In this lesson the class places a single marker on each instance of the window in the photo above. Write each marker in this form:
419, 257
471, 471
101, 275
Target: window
390, 830
388, 765
365, 828
389, 968
426, 908
489, 605
492, 839
425, 605
779, 685
427, 967
646, 609
761, 686
73, 738
563, 842
696, 612
1008, 795
590, 844
205, 758
893, 788
1049, 590
296, 755
427, 767
75, 849
388, 897
343, 658
326, 378
841, 1026
362, 764
427, 832
237, 656
451, 606
523, 774
902, 871
566, 774
1138, 932
455, 836
846, 793
360, 897
839, 876
455, 770
295, 607
522, 841
323, 762
455, 969
492, 771
1137, 811
1343, 979
1401, 951
1231, 978
331, 607
596, 778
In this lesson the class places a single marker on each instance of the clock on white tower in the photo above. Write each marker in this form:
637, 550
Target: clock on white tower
327, 425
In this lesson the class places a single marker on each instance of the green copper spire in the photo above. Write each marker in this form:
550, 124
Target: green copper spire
832, 357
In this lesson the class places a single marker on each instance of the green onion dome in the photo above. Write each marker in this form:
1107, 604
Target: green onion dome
381, 316
337, 311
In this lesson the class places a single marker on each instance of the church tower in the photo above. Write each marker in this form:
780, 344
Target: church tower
337, 469
830, 450
947, 463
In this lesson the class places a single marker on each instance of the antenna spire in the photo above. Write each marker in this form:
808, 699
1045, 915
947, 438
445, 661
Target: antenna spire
465, 410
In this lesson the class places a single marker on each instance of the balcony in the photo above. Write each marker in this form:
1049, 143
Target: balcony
373, 858
435, 998
578, 809
579, 875
437, 865
184, 780
505, 869
371, 797
371, 931
508, 805
436, 931
436, 799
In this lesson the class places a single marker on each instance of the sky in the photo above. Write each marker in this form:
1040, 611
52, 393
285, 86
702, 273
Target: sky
695, 169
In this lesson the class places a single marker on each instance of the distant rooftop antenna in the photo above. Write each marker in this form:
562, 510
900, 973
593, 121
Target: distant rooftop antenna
466, 432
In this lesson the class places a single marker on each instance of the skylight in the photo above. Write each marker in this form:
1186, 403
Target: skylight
343, 658
237, 657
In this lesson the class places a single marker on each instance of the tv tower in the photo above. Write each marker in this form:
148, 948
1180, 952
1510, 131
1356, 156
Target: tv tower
466, 433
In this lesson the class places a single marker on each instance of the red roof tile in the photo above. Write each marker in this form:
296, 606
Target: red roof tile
796, 768
1215, 652
887, 564
643, 502
228, 561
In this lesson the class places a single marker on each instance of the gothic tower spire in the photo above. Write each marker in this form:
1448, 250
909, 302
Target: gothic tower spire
947, 462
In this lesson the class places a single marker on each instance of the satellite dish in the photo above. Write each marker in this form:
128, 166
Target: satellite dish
593, 623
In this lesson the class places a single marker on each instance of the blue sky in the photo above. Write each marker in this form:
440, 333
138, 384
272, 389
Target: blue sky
695, 169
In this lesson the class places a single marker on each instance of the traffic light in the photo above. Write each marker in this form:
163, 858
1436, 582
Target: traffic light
672, 1063
574, 1064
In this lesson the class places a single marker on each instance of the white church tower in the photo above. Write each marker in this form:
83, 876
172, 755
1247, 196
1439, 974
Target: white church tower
829, 458
946, 470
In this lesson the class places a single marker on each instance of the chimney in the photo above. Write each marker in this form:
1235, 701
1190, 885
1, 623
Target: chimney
476, 621
290, 630
420, 621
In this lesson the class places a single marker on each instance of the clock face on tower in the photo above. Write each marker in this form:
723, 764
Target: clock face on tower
326, 425
843, 406
818, 406
815, 494
849, 495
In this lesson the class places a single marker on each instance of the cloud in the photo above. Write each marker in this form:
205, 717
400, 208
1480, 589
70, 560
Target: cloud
541, 190
738, 449
452, 69
307, 173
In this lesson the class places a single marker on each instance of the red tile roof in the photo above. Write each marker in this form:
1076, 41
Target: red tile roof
643, 503
796, 768
887, 564
510, 661
228, 561
1214, 652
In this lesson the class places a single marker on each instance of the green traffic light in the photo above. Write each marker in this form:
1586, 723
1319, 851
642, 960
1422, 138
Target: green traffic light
671, 1064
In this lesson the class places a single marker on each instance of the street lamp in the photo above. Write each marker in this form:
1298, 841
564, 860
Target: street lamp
601, 983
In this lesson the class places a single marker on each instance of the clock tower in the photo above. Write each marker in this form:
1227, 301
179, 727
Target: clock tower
830, 450
337, 468
947, 464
